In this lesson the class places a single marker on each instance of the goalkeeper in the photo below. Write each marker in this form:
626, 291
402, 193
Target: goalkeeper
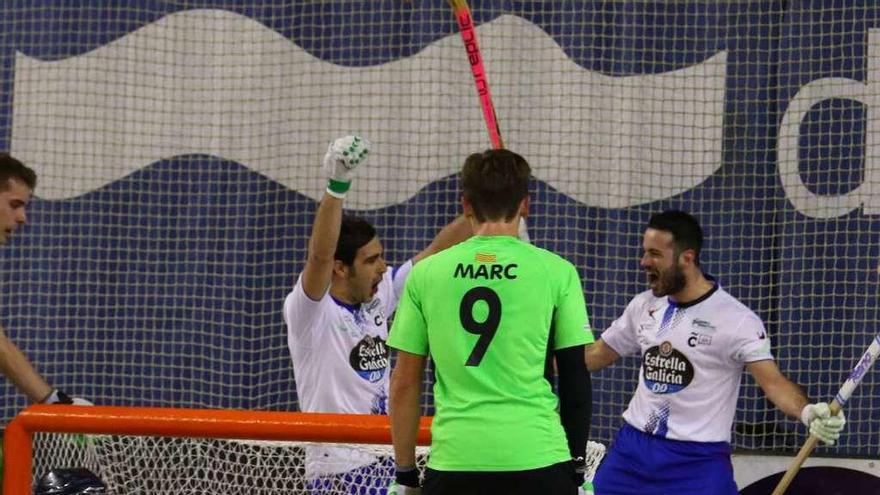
336, 318
493, 312
694, 339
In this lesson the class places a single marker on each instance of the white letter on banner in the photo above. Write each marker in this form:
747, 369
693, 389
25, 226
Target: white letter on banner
814, 92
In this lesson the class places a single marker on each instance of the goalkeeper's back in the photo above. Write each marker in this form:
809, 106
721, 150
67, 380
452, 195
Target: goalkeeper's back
493, 309
492, 312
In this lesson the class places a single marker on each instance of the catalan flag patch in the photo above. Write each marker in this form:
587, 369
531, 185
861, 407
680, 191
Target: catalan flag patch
485, 257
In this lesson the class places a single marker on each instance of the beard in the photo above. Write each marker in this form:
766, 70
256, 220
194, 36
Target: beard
670, 282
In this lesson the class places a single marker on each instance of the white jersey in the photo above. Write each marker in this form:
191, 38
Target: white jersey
340, 360
693, 356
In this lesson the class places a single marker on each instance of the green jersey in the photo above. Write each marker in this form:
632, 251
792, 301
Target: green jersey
491, 310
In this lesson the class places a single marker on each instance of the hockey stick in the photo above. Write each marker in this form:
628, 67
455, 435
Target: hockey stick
855, 377
469, 36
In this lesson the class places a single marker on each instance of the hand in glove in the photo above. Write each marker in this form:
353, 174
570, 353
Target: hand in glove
59, 397
817, 417
342, 160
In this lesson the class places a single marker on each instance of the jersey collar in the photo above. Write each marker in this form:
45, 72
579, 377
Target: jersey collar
351, 308
700, 299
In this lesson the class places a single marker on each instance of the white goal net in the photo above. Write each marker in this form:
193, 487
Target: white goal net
130, 465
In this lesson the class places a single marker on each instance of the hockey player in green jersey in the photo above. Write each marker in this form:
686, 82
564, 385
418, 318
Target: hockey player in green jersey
493, 313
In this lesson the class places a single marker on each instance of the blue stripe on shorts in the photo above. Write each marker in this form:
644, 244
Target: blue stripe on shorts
640, 463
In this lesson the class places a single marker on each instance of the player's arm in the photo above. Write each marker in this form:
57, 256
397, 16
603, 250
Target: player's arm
454, 232
781, 391
16, 366
599, 355
318, 269
575, 402
792, 400
340, 162
404, 399
571, 331
20, 371
619, 339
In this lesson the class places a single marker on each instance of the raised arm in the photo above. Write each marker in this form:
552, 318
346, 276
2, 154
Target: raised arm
342, 159
454, 232
318, 269
15, 365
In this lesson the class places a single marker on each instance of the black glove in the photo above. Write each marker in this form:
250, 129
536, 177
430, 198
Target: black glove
59, 397
578, 468
408, 478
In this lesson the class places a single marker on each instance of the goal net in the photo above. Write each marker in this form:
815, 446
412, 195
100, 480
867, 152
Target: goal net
178, 147
172, 465
177, 451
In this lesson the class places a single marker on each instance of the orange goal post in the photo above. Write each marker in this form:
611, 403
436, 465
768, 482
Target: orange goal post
277, 430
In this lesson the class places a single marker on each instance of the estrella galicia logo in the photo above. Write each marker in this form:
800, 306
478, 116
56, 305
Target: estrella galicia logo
665, 370
369, 358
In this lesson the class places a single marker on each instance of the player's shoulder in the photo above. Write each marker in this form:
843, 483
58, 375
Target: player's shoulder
298, 293
644, 301
724, 300
439, 259
731, 309
548, 258
435, 264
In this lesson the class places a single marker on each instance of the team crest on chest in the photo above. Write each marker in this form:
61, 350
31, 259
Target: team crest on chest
666, 370
369, 358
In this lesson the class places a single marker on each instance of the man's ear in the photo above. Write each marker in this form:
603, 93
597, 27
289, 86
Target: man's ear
688, 257
467, 208
524, 206
340, 269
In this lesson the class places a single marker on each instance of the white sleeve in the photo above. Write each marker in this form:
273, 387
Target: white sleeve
621, 335
392, 286
750, 341
300, 312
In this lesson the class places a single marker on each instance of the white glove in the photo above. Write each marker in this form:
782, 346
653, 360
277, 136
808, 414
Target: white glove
395, 489
59, 397
342, 159
586, 489
817, 417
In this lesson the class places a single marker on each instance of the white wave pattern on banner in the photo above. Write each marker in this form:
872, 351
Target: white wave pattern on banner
217, 83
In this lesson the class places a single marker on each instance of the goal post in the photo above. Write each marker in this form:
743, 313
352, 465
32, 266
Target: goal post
183, 423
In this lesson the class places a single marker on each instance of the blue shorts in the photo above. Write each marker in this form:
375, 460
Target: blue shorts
368, 480
646, 464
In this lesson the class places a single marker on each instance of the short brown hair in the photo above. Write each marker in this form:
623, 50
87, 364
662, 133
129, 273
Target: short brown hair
354, 233
10, 168
494, 182
685, 230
